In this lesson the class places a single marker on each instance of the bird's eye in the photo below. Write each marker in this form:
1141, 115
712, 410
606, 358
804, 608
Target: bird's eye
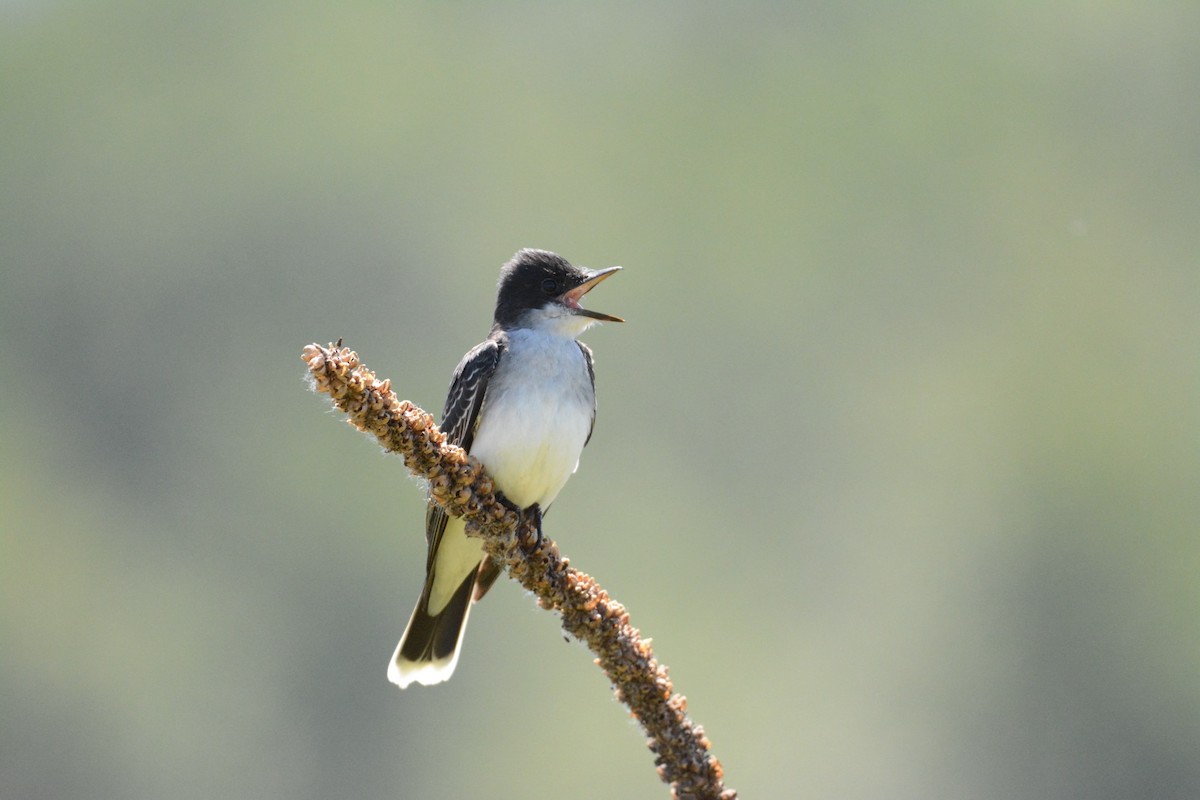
550, 286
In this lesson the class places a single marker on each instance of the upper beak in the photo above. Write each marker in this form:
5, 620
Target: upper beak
571, 299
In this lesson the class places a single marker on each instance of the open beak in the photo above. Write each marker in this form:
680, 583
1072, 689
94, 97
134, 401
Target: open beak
571, 299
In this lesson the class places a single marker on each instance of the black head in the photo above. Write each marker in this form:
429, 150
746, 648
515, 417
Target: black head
538, 287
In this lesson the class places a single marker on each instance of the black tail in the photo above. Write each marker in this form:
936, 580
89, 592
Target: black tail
428, 650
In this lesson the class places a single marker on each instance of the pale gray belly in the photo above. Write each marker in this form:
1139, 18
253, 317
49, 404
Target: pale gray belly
532, 429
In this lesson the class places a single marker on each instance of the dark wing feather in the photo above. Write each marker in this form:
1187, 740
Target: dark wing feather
459, 418
587, 356
467, 389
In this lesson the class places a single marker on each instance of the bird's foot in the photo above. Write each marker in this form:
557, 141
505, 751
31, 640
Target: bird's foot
533, 513
510, 505
536, 511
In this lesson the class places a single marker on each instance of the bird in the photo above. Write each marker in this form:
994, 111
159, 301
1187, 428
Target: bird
523, 402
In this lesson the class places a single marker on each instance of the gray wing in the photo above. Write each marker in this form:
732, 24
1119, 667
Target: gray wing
587, 356
460, 417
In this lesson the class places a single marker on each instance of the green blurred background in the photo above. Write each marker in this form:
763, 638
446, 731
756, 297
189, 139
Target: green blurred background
898, 457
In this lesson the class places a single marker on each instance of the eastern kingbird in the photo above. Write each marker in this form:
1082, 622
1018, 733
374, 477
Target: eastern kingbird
523, 402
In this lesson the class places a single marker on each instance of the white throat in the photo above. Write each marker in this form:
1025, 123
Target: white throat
556, 319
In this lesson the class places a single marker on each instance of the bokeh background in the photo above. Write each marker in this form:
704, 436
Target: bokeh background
898, 455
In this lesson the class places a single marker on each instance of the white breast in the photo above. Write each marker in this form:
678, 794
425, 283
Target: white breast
535, 417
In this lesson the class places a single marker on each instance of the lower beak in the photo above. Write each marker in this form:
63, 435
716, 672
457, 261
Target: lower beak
572, 298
